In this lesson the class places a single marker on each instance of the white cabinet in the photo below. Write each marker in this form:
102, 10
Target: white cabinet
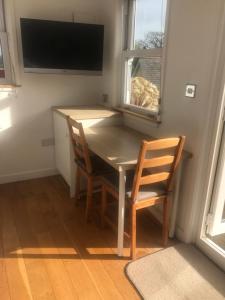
62, 148
64, 155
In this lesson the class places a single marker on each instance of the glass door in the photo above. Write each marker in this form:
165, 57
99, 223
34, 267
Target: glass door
211, 239
210, 235
216, 216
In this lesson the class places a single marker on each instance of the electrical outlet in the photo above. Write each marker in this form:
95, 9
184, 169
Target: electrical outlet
48, 142
190, 90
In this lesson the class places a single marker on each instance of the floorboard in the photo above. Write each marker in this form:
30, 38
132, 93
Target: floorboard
48, 252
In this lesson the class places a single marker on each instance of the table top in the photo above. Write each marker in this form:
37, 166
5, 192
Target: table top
119, 146
86, 112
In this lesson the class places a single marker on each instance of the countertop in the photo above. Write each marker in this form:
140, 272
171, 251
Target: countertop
86, 112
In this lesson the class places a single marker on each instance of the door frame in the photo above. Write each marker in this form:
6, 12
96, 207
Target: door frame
215, 223
214, 133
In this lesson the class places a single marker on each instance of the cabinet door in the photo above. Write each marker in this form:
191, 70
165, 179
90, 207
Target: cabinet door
62, 147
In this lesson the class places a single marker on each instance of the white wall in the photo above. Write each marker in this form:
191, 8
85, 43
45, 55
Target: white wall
28, 108
190, 58
113, 46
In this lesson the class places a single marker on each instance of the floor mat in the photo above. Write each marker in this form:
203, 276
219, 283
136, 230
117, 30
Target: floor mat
178, 272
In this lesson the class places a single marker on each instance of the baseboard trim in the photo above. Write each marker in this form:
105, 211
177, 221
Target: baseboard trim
27, 175
180, 235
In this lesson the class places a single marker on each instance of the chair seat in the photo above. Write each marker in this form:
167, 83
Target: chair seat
99, 166
146, 191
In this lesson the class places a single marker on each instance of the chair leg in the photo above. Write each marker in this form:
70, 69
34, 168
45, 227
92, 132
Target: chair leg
103, 206
89, 198
77, 186
165, 221
133, 232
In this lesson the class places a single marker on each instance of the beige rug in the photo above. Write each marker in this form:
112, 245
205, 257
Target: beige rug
178, 272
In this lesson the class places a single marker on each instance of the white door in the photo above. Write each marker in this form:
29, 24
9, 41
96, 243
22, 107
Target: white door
216, 224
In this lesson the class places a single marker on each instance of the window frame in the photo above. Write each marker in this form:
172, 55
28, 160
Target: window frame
129, 52
5, 48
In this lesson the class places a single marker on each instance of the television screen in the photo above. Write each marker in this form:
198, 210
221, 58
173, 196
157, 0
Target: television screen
51, 45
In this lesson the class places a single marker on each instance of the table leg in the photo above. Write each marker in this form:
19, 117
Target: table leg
121, 212
73, 178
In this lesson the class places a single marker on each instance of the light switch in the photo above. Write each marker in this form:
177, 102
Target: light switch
190, 91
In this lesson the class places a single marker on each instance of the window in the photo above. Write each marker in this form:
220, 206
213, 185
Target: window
5, 69
143, 54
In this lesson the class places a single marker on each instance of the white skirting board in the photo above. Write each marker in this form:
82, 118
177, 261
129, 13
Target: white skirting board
27, 175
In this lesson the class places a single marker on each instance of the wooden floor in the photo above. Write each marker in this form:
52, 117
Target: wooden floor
47, 251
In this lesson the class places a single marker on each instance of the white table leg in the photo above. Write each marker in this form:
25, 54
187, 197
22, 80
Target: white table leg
121, 212
175, 201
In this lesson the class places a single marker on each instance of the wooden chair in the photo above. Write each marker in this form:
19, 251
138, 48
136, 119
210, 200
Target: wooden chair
151, 183
89, 166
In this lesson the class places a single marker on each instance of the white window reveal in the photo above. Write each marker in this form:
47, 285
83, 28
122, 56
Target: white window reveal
143, 55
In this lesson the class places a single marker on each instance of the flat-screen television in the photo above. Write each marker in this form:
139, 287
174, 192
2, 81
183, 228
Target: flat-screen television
65, 47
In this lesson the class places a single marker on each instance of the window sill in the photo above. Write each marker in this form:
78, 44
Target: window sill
148, 118
9, 86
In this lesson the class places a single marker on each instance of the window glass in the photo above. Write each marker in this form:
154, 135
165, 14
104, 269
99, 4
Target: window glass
149, 24
144, 56
145, 82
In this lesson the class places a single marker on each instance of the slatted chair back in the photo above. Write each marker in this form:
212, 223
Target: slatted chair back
154, 162
79, 143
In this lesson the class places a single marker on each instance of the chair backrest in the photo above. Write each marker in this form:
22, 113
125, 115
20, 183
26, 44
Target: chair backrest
79, 143
153, 162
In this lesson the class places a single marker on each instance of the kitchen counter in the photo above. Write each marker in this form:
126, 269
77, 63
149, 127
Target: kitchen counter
86, 112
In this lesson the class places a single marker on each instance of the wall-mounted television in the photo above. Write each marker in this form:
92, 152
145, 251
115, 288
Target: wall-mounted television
62, 47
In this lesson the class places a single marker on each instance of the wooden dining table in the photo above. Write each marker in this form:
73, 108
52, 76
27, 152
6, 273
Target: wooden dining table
119, 146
